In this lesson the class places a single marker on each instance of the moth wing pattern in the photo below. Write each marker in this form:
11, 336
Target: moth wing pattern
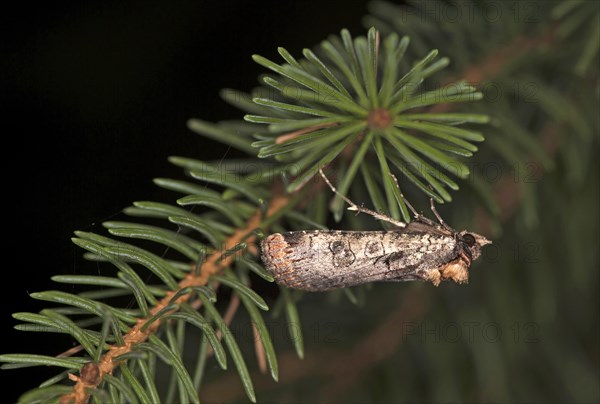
323, 260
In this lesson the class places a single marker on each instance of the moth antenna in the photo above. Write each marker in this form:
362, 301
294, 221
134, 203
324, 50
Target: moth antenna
418, 217
356, 208
412, 209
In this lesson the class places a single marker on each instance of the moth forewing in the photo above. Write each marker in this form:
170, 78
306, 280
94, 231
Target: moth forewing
323, 260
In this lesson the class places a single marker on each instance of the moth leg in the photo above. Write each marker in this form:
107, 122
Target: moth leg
420, 217
354, 207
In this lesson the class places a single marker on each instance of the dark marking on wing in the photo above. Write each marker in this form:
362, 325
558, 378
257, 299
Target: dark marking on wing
374, 249
342, 254
394, 257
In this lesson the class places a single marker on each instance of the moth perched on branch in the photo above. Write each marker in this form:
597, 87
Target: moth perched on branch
421, 250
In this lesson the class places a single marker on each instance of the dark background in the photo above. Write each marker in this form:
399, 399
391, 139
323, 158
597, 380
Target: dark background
95, 96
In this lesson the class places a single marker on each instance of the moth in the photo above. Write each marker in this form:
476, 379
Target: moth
420, 250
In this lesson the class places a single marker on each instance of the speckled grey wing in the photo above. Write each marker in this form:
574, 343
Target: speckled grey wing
323, 260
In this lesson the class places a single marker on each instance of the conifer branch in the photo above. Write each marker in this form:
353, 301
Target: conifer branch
93, 374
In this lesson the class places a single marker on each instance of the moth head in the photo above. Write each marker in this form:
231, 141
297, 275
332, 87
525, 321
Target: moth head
472, 242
